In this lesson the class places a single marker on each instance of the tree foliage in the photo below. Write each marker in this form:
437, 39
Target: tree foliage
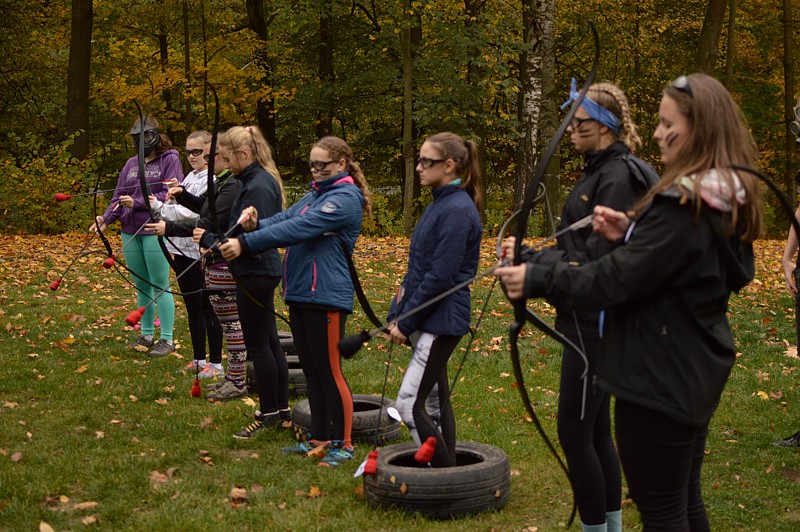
466, 65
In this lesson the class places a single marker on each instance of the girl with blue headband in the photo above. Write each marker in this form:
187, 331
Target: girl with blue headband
604, 133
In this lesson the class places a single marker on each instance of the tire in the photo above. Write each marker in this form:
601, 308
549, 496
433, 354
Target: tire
297, 380
298, 387
367, 427
481, 481
287, 343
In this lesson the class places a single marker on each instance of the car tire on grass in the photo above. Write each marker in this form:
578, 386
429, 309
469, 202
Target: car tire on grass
481, 481
371, 423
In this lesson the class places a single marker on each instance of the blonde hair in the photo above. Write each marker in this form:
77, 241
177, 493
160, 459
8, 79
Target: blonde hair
465, 154
203, 136
338, 149
238, 137
613, 99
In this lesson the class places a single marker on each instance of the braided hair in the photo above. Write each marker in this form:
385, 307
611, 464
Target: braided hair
612, 98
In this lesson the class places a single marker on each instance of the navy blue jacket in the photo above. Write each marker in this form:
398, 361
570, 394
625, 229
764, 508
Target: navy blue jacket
314, 266
444, 251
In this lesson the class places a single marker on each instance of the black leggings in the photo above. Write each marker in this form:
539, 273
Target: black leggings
202, 320
316, 334
662, 460
260, 333
588, 445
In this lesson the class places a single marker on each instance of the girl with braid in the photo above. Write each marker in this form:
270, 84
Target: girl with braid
317, 286
444, 251
604, 133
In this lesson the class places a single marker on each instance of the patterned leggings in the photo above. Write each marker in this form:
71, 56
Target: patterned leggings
222, 287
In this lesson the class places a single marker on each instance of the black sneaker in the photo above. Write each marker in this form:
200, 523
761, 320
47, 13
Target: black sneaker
259, 424
791, 441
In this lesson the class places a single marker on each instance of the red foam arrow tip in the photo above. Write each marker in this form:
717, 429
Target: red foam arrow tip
134, 317
55, 284
425, 452
196, 388
371, 467
62, 197
109, 262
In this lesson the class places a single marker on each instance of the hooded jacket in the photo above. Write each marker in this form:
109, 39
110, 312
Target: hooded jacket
667, 344
315, 270
164, 167
444, 251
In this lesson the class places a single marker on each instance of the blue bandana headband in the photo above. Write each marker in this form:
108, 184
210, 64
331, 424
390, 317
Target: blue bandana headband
594, 110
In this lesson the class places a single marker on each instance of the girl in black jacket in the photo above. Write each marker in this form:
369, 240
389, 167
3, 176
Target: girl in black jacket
667, 348
604, 132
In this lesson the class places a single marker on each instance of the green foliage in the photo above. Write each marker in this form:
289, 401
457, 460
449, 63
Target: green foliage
27, 201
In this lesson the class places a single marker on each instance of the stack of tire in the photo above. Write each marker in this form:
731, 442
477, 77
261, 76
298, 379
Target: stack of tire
479, 482
371, 422
297, 381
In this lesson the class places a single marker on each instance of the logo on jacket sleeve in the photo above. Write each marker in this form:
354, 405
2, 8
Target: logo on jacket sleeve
329, 208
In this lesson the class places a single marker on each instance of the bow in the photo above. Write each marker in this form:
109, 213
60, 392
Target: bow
521, 312
787, 207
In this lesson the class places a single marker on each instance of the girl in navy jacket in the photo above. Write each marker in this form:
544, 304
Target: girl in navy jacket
317, 286
444, 251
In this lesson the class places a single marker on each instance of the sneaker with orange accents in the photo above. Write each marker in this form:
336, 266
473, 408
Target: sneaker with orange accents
211, 371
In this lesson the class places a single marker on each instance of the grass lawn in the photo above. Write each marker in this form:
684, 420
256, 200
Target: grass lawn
92, 435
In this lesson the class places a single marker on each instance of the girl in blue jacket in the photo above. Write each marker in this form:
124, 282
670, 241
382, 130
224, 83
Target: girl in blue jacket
444, 251
317, 286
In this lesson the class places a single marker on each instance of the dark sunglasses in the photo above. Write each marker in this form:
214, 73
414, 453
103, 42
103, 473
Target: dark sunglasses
195, 152
682, 84
319, 165
577, 122
425, 162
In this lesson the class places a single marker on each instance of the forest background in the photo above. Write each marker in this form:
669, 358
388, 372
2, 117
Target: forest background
382, 75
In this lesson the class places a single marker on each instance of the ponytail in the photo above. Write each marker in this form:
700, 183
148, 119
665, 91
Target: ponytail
465, 155
237, 137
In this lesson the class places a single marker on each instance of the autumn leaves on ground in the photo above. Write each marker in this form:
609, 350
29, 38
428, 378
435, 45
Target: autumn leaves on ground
92, 435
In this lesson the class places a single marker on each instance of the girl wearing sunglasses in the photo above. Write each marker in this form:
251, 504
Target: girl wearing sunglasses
444, 251
202, 320
317, 286
604, 132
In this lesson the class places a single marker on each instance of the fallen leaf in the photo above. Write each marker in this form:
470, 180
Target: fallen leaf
9, 404
255, 488
89, 520
791, 351
314, 492
99, 434
158, 477
763, 395
238, 495
359, 490
44, 527
171, 471
81, 369
85, 505
403, 488
133, 398
282, 506
16, 457
63, 499
162, 401
206, 422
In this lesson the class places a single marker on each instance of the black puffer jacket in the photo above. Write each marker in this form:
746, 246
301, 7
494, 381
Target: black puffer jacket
667, 344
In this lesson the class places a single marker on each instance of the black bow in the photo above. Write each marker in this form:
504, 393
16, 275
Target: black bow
521, 313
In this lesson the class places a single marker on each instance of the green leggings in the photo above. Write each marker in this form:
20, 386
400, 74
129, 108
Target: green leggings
145, 259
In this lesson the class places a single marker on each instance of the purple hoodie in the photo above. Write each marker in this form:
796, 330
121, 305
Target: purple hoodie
164, 167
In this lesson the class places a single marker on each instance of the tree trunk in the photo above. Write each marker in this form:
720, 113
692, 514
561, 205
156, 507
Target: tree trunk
408, 140
789, 101
475, 74
265, 109
187, 67
163, 50
708, 44
80, 55
530, 99
730, 52
549, 117
325, 69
